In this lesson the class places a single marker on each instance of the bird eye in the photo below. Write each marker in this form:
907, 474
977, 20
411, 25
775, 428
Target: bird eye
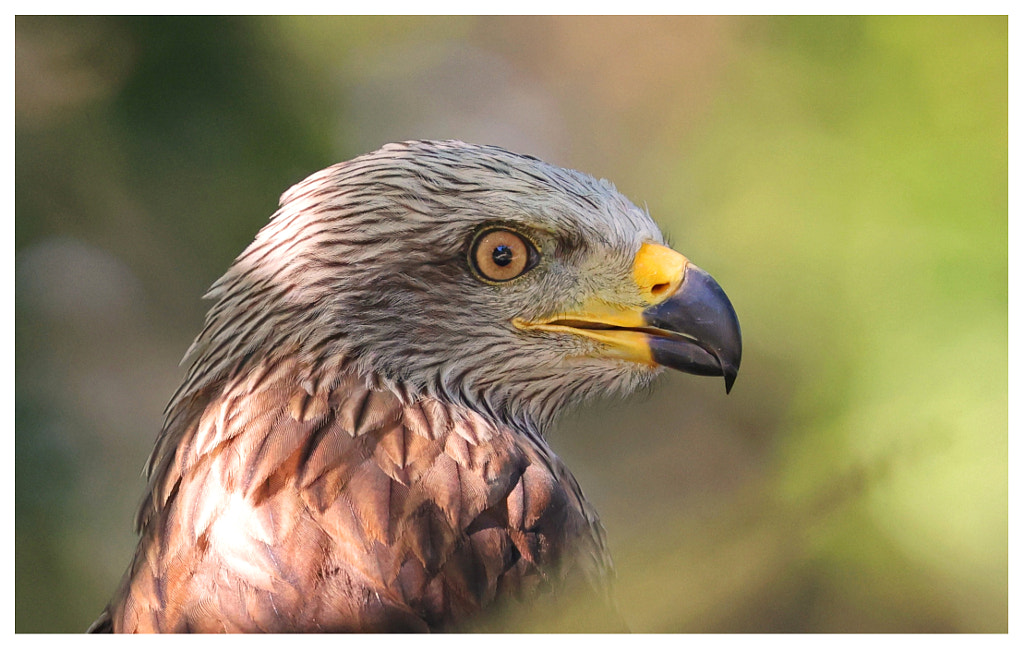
498, 255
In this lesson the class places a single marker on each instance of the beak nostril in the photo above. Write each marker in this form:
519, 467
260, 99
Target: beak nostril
658, 271
659, 289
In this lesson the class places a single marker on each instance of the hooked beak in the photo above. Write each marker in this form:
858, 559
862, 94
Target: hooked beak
686, 323
696, 329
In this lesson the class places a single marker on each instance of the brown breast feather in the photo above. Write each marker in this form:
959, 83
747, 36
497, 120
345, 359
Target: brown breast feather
277, 507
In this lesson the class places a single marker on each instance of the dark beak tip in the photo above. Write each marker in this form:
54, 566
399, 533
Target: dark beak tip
730, 370
710, 343
730, 378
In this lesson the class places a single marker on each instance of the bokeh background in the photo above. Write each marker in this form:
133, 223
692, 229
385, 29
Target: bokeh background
845, 180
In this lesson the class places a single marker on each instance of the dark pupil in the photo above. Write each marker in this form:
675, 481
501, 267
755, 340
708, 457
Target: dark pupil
502, 255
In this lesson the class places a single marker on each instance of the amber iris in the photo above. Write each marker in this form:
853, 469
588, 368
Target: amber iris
500, 255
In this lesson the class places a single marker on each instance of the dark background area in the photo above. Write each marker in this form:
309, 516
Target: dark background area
845, 180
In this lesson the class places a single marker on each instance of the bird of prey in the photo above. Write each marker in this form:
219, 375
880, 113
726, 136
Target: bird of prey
359, 441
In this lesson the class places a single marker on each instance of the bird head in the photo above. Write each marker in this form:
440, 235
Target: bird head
470, 273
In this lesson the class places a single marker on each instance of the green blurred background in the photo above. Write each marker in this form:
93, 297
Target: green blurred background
845, 180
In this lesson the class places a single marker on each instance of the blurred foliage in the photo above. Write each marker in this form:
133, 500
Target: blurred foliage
844, 178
